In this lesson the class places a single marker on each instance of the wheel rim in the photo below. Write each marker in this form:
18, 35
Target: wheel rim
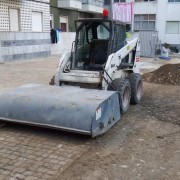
126, 96
139, 90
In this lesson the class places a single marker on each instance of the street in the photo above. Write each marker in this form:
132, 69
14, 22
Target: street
144, 145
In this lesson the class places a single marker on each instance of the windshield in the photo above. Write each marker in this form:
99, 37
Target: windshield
89, 35
102, 32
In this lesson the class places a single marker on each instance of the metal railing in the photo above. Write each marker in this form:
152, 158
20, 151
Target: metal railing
94, 2
91, 2
74, 0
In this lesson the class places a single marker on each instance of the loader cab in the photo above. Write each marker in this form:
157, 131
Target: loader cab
91, 44
95, 40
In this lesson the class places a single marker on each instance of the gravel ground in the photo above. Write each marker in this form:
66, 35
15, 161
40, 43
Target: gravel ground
144, 145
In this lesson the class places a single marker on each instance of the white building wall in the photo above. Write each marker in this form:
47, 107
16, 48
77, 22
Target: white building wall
25, 8
167, 12
164, 12
143, 8
161, 19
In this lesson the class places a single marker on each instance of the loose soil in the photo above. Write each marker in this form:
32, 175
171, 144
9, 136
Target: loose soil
167, 74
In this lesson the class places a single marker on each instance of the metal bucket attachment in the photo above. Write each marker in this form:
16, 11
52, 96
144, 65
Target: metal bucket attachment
86, 111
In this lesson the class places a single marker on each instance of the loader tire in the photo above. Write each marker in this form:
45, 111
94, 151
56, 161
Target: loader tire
136, 88
124, 91
52, 81
124, 95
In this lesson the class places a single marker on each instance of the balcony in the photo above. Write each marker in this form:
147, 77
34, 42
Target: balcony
70, 4
92, 6
145, 7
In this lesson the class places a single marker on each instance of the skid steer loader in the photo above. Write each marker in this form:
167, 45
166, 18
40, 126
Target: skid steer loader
93, 85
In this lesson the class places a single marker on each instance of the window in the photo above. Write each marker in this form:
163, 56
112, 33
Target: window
37, 24
119, 0
64, 23
93, 2
14, 19
172, 27
144, 22
173, 0
119, 38
107, 2
51, 21
102, 32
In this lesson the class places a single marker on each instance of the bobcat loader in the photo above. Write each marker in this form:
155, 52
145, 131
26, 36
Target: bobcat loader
93, 85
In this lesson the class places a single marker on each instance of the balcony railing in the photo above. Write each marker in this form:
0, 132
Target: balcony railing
94, 2
93, 6
70, 4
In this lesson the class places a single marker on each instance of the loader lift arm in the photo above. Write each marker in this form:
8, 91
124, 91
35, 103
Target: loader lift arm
115, 61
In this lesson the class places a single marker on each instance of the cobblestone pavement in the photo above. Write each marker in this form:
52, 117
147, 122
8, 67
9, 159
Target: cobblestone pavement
36, 153
144, 145
29, 152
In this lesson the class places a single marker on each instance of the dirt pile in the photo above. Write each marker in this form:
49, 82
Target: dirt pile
167, 74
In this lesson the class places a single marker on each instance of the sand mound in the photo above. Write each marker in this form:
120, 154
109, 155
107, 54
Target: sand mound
167, 74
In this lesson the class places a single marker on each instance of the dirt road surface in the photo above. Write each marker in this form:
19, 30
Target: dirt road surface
144, 145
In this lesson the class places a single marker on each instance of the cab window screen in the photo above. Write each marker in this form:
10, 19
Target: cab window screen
102, 32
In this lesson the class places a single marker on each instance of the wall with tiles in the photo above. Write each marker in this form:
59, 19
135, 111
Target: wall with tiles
24, 44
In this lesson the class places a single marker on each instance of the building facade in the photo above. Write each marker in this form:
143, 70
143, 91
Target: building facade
64, 12
24, 29
162, 16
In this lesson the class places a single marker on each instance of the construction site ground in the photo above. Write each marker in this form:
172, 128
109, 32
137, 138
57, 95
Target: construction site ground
144, 145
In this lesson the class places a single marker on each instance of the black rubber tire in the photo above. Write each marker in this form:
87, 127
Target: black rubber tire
124, 90
136, 88
124, 95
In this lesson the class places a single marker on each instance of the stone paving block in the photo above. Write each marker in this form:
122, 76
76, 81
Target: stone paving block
46, 177
2, 177
31, 178
12, 157
1, 165
19, 170
28, 173
43, 169
54, 161
8, 167
5, 160
5, 172
51, 172
19, 176
56, 167
62, 162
